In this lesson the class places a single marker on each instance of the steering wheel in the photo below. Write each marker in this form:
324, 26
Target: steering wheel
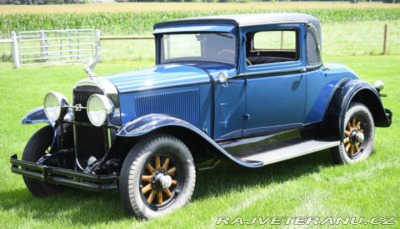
225, 52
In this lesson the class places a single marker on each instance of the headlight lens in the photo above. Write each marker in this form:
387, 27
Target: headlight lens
55, 105
99, 107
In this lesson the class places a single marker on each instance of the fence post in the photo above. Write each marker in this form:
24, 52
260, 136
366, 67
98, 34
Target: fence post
98, 46
385, 39
15, 53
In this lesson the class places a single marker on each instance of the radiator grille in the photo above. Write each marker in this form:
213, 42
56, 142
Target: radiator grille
182, 104
89, 140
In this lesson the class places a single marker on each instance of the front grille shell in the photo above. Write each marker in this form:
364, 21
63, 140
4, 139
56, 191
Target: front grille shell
90, 140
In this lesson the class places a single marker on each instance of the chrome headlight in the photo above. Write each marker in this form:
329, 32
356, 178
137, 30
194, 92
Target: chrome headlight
99, 107
55, 105
378, 85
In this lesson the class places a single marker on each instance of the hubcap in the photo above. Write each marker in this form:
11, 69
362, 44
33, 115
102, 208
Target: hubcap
354, 137
159, 180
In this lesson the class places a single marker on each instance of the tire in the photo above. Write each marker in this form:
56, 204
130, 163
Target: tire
38, 145
358, 136
157, 176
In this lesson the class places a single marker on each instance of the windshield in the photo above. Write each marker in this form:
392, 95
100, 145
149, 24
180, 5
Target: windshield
218, 47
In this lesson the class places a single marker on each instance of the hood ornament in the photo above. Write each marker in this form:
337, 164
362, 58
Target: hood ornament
90, 67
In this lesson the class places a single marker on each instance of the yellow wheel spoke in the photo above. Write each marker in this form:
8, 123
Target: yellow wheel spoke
358, 125
352, 150
157, 161
353, 125
348, 147
159, 198
171, 171
146, 178
165, 164
347, 133
348, 126
151, 196
146, 188
150, 168
174, 182
357, 148
346, 140
168, 192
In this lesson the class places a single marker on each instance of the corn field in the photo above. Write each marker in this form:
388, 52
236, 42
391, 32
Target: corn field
135, 19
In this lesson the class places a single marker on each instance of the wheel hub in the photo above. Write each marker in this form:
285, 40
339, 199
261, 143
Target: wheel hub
356, 137
161, 180
360, 137
353, 136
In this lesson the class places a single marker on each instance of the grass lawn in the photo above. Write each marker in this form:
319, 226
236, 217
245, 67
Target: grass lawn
310, 186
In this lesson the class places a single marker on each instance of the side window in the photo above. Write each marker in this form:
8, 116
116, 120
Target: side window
272, 46
313, 54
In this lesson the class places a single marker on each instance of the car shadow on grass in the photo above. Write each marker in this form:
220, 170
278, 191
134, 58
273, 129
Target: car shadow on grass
85, 208
229, 176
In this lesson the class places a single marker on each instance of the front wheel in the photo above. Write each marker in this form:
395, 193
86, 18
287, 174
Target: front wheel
358, 135
158, 175
39, 145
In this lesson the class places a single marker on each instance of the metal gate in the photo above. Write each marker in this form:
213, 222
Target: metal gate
57, 46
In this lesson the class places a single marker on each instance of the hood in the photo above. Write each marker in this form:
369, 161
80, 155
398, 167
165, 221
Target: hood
158, 77
168, 75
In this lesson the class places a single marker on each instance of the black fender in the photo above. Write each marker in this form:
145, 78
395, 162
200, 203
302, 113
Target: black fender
355, 91
36, 115
152, 122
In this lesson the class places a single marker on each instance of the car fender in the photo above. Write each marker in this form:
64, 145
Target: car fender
36, 115
355, 91
152, 122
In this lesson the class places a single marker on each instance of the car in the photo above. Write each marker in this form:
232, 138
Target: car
247, 88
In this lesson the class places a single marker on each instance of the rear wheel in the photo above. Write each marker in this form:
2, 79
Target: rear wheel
358, 135
39, 145
158, 175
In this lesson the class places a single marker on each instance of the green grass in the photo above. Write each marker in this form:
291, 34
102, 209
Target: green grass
306, 186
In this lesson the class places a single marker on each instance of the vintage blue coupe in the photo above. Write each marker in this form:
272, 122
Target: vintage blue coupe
249, 88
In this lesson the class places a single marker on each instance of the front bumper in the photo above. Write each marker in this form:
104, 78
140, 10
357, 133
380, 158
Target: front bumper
65, 177
389, 115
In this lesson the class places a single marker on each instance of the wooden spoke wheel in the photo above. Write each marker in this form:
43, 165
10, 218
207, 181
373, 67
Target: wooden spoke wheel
157, 176
354, 137
358, 135
159, 180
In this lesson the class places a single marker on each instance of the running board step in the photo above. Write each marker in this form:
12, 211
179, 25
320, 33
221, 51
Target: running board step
285, 153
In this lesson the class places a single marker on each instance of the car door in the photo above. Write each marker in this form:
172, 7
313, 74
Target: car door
229, 109
275, 79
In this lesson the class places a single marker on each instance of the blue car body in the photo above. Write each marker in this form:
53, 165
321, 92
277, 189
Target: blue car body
229, 98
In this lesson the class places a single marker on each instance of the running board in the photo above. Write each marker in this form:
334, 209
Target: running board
285, 153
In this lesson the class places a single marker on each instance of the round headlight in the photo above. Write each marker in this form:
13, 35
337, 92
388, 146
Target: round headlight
99, 107
55, 105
